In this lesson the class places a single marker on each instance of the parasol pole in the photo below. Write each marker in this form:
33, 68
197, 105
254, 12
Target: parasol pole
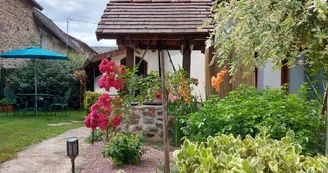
36, 92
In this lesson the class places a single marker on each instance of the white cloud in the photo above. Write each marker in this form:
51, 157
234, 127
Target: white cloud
65, 5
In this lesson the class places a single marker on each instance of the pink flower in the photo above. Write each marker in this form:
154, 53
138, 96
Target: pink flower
172, 97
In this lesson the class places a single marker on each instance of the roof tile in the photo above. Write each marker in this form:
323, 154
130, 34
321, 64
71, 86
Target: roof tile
154, 16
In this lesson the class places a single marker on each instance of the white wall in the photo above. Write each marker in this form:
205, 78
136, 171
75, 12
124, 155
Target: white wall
296, 78
197, 68
269, 77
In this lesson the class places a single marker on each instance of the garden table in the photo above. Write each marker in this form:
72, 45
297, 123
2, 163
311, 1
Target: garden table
35, 100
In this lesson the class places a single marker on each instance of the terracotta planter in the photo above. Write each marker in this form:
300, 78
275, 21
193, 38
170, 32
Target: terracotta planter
4, 108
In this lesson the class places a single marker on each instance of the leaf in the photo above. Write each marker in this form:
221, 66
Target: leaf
273, 166
291, 135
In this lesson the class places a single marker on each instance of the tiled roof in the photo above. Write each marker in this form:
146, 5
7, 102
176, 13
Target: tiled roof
48, 23
108, 55
103, 49
154, 17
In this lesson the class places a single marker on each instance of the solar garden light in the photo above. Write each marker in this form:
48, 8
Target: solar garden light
72, 150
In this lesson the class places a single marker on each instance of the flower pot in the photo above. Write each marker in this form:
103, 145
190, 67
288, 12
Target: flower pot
4, 108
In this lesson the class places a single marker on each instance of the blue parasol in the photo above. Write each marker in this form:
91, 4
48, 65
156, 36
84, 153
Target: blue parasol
34, 53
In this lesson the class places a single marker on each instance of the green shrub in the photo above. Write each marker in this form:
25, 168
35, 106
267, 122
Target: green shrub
90, 98
225, 153
98, 136
53, 76
247, 107
124, 148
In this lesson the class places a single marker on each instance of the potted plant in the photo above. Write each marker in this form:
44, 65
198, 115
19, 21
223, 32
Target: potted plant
7, 104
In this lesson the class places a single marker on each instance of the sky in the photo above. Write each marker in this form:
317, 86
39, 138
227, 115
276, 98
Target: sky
83, 10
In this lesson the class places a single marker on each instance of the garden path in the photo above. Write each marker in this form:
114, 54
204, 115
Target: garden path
48, 156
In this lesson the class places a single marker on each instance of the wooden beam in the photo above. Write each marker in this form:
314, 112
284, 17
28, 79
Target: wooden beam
130, 58
164, 109
130, 44
163, 37
186, 61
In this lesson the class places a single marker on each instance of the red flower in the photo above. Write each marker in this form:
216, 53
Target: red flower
117, 121
159, 96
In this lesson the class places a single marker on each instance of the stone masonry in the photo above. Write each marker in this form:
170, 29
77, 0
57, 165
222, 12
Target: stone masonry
17, 26
148, 119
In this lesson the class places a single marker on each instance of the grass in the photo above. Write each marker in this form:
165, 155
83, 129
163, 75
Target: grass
19, 132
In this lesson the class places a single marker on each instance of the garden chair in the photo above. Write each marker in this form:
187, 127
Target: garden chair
12, 99
61, 102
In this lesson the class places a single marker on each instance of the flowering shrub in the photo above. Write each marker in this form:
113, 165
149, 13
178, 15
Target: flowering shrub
81, 76
111, 75
180, 86
107, 112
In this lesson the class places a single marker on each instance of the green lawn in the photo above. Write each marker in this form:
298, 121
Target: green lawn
18, 132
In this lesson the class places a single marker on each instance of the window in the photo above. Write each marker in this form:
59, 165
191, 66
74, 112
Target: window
54, 44
43, 39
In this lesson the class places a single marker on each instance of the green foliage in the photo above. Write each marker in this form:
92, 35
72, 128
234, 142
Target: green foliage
8, 101
98, 136
226, 153
147, 87
90, 98
247, 107
124, 148
54, 77
274, 30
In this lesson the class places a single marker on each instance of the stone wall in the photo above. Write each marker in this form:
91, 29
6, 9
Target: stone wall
17, 25
148, 119
17, 28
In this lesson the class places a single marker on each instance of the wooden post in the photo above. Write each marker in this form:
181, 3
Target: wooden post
129, 58
164, 109
186, 57
323, 112
209, 70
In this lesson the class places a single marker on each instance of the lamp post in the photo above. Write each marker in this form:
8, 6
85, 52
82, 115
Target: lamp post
72, 150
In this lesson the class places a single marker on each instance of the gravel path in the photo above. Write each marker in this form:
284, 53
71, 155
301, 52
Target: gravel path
48, 156
96, 163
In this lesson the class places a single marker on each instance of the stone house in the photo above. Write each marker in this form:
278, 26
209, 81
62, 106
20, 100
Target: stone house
22, 24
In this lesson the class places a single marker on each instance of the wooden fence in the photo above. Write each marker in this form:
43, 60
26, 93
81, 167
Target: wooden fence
226, 85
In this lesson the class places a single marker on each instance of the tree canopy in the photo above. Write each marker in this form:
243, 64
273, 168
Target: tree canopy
273, 30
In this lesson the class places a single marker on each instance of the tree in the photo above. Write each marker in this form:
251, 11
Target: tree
273, 30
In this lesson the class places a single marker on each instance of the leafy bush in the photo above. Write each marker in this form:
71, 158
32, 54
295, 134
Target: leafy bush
225, 153
90, 98
98, 136
54, 77
124, 148
247, 107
